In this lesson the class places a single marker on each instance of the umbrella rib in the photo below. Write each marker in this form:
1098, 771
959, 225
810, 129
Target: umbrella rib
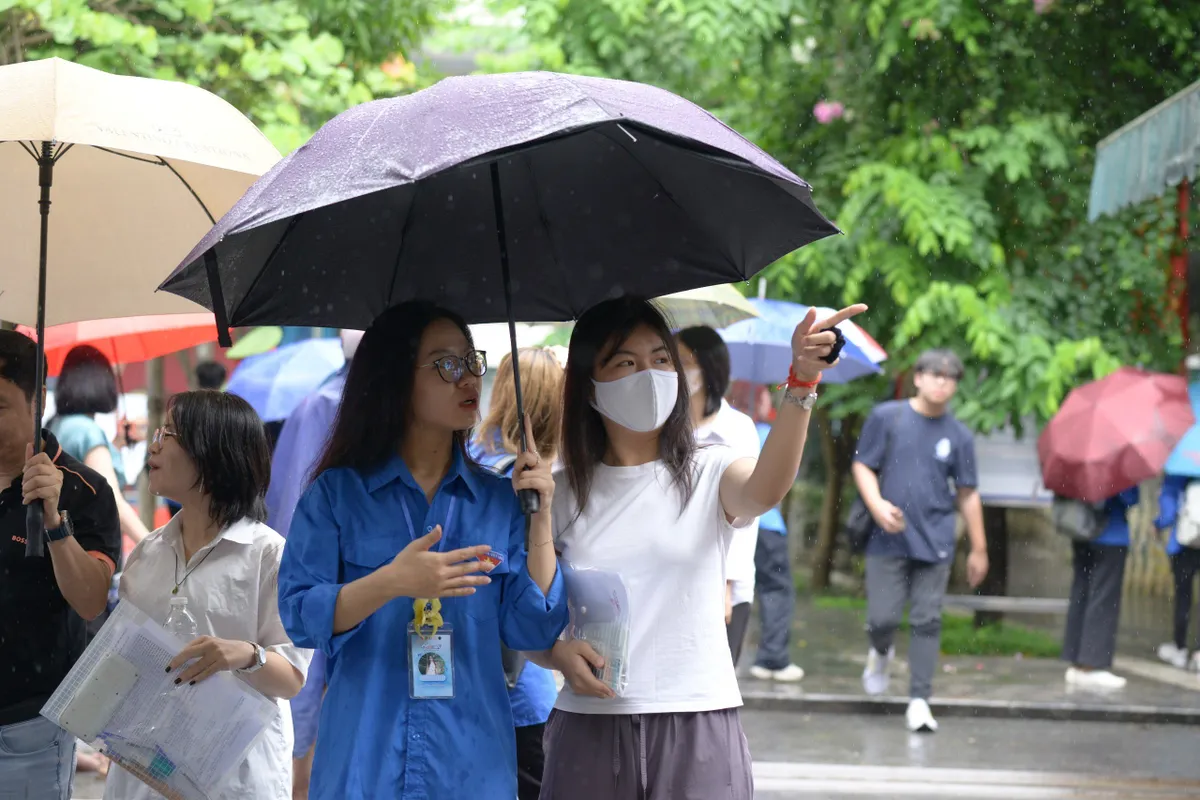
541, 207
63, 149
266, 264
391, 288
28, 148
688, 217
188, 186
159, 161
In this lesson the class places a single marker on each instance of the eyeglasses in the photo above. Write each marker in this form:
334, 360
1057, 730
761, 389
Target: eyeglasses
160, 436
451, 368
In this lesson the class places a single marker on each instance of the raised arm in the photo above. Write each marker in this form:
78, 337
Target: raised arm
749, 488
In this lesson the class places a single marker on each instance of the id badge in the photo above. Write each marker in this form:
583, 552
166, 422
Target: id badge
431, 664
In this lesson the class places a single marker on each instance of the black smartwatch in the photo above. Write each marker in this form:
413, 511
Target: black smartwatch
64, 529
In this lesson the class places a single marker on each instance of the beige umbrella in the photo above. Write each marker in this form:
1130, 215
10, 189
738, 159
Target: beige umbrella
715, 306
131, 172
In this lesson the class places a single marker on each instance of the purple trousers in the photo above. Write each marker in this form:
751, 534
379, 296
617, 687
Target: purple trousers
693, 756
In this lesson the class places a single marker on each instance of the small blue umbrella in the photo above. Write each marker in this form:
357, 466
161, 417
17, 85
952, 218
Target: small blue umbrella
275, 382
1185, 458
760, 350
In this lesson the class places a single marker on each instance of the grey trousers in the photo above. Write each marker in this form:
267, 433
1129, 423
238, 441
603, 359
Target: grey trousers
776, 599
695, 756
893, 582
1095, 606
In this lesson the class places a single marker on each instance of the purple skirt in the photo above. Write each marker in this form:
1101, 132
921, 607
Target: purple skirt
693, 756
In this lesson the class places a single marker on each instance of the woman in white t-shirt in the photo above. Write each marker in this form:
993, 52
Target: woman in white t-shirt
638, 497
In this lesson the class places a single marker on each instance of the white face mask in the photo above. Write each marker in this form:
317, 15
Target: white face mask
695, 380
640, 402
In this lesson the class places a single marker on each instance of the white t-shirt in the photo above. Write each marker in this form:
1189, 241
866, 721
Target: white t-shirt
736, 431
672, 561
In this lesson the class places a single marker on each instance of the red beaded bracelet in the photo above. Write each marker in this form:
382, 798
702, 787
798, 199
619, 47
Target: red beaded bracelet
794, 382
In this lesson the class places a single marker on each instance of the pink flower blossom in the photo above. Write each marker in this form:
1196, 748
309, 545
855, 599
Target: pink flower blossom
1042, 6
826, 112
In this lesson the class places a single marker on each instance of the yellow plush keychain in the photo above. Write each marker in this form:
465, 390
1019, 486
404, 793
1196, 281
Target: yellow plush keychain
427, 614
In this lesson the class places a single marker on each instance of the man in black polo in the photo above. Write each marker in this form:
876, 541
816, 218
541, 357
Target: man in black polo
45, 600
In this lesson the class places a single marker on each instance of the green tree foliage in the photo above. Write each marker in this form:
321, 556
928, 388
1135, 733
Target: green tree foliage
289, 65
953, 142
958, 167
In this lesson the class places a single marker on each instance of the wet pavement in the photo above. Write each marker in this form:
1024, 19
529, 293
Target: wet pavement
831, 646
825, 755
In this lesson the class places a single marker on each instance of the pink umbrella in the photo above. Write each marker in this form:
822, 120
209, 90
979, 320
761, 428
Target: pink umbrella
1114, 433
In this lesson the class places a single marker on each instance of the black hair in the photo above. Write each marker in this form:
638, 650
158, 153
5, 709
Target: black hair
712, 356
599, 332
226, 440
944, 362
376, 405
18, 362
86, 384
210, 375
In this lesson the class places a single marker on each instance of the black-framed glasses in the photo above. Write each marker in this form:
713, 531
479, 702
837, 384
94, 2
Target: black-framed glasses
160, 436
451, 368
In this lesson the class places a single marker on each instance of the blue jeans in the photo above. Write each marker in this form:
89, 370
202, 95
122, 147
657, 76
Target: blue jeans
37, 759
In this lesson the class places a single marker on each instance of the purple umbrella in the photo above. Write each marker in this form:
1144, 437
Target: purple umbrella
554, 191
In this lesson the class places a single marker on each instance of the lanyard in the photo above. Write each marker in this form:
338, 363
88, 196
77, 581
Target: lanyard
412, 531
427, 612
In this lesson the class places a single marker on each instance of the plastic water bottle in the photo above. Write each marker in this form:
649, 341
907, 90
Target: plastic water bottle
180, 621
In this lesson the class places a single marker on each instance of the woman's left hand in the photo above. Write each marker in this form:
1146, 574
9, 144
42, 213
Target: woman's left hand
211, 655
813, 341
531, 471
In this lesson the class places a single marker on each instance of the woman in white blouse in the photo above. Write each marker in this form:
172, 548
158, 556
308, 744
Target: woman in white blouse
212, 457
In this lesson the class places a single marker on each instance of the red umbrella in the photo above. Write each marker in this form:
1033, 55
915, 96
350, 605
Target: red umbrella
129, 339
1114, 433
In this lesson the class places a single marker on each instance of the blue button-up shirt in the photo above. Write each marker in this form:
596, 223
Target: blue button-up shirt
300, 444
534, 695
374, 740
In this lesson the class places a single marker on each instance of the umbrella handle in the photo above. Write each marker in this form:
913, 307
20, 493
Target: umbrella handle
35, 531
531, 501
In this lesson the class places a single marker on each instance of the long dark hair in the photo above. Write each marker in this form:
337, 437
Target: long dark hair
712, 356
377, 401
225, 439
599, 332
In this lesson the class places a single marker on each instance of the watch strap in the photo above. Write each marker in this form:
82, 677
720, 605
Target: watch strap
63, 530
260, 659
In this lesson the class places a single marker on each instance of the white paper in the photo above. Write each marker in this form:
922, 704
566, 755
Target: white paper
190, 737
599, 605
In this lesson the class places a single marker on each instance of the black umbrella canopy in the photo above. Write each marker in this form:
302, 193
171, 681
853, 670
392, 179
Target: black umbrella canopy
604, 188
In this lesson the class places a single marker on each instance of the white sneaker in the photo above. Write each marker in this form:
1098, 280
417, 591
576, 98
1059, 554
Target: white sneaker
1094, 679
1171, 654
789, 674
875, 677
920, 718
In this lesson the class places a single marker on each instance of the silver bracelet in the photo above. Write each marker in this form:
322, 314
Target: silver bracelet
807, 402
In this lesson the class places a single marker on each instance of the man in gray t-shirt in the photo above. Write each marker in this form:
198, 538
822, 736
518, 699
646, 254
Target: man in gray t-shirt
914, 467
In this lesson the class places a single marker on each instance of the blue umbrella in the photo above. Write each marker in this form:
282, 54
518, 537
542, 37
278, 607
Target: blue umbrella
760, 350
1185, 458
275, 382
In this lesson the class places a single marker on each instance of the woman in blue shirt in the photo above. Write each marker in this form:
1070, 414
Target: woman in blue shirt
1095, 605
399, 520
1185, 564
495, 445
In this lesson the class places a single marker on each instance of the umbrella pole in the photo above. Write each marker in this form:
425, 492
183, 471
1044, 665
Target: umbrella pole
35, 526
530, 500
